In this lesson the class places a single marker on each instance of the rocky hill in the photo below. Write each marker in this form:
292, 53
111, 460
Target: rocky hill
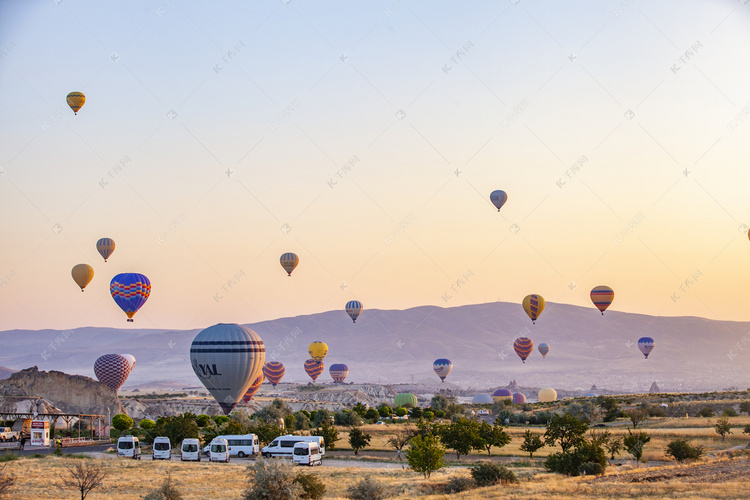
69, 393
5, 372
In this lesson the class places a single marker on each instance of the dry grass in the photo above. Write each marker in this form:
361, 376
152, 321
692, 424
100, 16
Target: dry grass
127, 479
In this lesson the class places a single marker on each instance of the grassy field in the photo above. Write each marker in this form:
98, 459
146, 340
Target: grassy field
44, 478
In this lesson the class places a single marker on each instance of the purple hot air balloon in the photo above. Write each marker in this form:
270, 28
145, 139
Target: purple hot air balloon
338, 372
274, 372
253, 389
502, 394
112, 370
130, 291
518, 398
314, 368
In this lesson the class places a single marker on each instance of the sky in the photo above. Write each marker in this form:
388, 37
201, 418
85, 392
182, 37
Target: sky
367, 139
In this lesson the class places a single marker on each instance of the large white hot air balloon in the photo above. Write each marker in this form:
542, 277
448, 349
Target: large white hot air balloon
227, 358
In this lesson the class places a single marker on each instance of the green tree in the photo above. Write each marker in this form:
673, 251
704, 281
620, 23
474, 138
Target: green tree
401, 411
277, 410
265, 432
358, 439
681, 450
416, 412
745, 407
385, 411
454, 410
609, 406
401, 436
329, 433
531, 443
634, 444
359, 409
428, 415
122, 422
372, 415
587, 457
491, 435
723, 427
176, 428
566, 430
636, 416
707, 412
613, 446
460, 436
347, 418
439, 402
220, 419
146, 424
319, 416
202, 420
425, 455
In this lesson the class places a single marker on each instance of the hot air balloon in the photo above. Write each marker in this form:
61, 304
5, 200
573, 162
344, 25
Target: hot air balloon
338, 372
130, 291
533, 305
227, 358
498, 198
602, 297
274, 372
354, 309
543, 349
82, 274
318, 350
405, 399
314, 368
547, 394
502, 394
289, 261
646, 345
75, 101
482, 399
518, 398
442, 368
131, 360
105, 247
253, 389
523, 347
112, 370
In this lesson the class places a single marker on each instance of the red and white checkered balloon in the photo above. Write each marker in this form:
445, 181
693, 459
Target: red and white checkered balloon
112, 369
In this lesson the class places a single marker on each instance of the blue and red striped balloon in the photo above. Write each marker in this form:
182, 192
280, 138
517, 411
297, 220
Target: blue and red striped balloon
338, 372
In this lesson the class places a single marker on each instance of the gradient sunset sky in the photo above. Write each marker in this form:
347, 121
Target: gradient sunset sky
366, 138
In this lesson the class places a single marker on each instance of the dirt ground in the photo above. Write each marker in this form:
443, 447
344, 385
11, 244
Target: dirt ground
719, 471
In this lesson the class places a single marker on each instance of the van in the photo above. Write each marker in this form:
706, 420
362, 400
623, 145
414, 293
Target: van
306, 453
283, 446
128, 446
162, 448
218, 450
240, 445
190, 450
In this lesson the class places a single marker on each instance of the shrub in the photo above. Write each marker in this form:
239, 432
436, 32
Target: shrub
147, 424
681, 450
455, 485
591, 469
312, 486
122, 422
730, 412
272, 479
167, 491
367, 489
571, 462
706, 411
425, 455
488, 474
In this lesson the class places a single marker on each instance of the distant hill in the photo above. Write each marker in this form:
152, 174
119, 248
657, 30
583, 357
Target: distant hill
390, 346
6, 372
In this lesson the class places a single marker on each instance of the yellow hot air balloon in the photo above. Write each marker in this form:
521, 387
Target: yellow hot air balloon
82, 275
547, 394
533, 305
318, 350
289, 261
76, 101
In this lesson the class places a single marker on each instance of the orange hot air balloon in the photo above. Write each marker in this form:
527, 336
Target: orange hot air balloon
602, 296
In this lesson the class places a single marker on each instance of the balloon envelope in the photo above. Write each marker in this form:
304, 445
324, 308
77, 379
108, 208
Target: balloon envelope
75, 100
82, 275
498, 198
227, 358
131, 360
518, 398
338, 372
314, 368
318, 350
442, 367
646, 345
543, 349
602, 296
523, 347
289, 261
130, 291
253, 389
105, 247
354, 309
533, 305
405, 399
502, 394
547, 394
482, 399
112, 370
274, 372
